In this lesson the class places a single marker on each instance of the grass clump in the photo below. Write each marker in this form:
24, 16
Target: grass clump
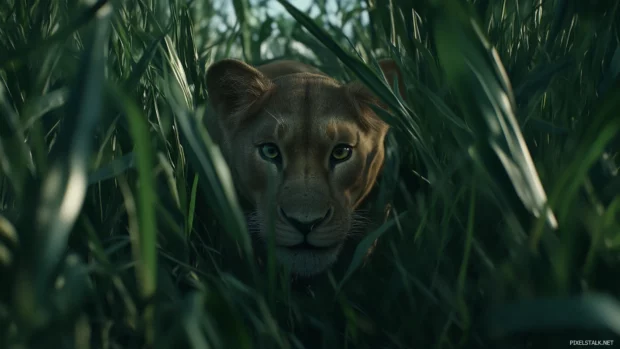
119, 227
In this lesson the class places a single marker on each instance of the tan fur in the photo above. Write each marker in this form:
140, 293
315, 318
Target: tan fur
306, 114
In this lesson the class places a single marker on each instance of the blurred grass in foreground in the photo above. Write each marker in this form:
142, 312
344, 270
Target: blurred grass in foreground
119, 227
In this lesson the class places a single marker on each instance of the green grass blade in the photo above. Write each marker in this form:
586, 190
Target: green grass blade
362, 248
145, 250
241, 10
62, 191
480, 82
15, 160
369, 77
113, 169
207, 160
602, 129
44, 104
16, 56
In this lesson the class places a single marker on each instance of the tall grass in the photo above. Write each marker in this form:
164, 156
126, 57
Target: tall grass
120, 227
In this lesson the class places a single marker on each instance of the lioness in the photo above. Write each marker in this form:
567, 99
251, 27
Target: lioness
319, 139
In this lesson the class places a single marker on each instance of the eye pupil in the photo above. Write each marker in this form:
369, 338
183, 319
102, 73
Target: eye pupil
341, 153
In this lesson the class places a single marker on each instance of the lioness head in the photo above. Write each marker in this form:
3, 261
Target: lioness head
320, 142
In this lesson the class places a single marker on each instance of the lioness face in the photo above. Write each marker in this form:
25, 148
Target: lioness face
315, 143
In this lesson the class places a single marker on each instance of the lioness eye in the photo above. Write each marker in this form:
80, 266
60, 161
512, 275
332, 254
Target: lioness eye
269, 151
341, 153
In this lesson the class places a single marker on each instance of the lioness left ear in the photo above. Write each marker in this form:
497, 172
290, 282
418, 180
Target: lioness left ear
235, 87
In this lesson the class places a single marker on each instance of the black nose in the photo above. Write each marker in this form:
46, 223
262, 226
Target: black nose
305, 227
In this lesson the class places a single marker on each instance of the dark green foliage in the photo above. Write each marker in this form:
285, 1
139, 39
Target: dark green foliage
120, 228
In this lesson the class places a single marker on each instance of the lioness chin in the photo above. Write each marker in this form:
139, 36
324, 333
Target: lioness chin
320, 140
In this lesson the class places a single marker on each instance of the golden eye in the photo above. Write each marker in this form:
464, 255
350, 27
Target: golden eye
269, 151
342, 153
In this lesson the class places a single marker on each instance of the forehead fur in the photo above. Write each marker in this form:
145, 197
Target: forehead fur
305, 96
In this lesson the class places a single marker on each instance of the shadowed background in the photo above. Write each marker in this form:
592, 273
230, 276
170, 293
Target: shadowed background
119, 226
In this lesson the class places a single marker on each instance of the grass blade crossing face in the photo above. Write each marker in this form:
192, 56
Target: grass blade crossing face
208, 162
363, 72
473, 68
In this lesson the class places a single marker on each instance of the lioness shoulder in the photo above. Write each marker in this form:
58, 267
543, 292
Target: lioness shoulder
319, 140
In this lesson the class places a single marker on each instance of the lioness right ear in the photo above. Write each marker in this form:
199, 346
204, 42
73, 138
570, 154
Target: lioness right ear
392, 72
235, 87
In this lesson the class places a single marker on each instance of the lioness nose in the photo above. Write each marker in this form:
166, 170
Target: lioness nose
305, 227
